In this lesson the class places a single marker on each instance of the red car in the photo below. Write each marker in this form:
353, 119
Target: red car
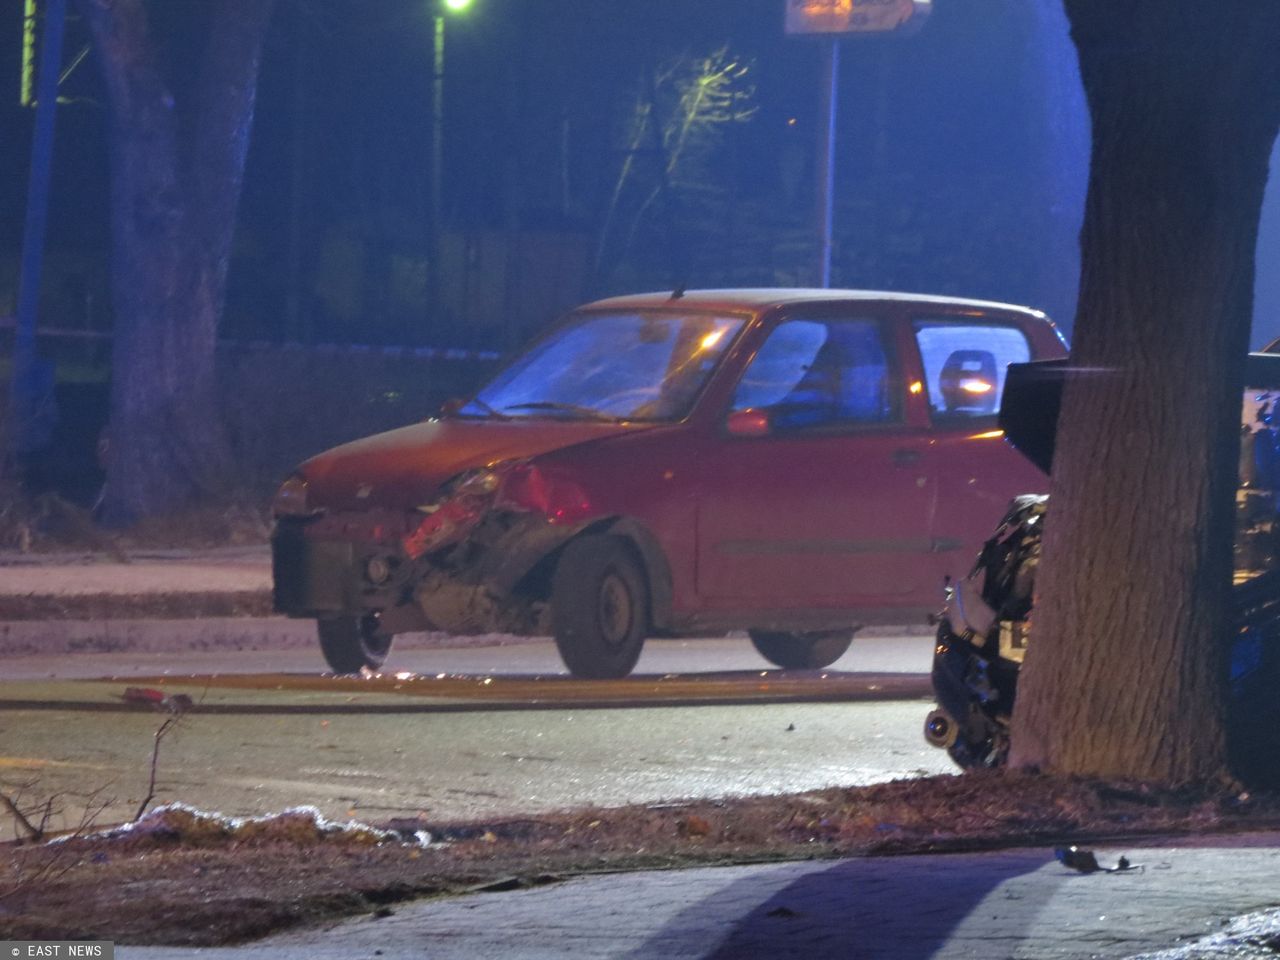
794, 463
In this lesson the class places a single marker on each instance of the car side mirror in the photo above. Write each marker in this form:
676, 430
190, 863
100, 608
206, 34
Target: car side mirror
751, 422
452, 406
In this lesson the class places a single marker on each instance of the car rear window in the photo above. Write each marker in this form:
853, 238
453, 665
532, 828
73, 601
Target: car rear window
965, 363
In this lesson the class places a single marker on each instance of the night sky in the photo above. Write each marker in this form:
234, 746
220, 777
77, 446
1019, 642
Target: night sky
960, 163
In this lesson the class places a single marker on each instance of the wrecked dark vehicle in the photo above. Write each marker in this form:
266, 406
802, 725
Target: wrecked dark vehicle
787, 462
985, 625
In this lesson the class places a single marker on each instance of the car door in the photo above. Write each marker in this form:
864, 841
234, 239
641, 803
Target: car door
816, 494
963, 360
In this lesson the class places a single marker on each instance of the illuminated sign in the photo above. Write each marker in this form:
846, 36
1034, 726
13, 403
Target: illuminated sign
855, 16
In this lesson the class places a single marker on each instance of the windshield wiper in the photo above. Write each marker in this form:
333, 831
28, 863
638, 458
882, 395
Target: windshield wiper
587, 412
486, 409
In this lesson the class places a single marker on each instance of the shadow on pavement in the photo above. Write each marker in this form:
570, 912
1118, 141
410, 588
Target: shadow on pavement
904, 908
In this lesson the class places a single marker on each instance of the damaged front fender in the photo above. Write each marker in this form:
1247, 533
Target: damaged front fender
477, 559
488, 583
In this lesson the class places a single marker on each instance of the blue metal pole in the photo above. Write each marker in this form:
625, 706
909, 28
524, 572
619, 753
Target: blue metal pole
827, 156
22, 387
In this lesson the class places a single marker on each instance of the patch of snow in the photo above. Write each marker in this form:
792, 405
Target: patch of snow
183, 819
1254, 936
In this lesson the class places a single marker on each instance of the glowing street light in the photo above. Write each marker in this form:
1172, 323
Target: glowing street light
442, 7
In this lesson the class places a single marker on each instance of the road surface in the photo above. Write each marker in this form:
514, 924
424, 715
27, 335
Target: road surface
282, 736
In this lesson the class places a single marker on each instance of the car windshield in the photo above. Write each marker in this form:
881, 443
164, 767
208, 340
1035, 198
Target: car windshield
611, 366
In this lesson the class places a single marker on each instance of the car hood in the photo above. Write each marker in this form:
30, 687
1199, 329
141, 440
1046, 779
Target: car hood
403, 468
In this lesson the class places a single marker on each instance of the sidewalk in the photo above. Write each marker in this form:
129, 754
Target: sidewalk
147, 600
165, 600
161, 584
982, 906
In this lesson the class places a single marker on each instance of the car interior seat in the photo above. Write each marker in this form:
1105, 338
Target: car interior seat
968, 383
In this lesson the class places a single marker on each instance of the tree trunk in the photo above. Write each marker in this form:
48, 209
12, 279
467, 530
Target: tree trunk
176, 171
1126, 675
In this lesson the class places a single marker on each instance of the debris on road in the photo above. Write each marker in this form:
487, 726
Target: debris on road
1085, 861
158, 699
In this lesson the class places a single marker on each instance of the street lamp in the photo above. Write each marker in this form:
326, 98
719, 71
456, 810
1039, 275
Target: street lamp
830, 20
437, 102
442, 7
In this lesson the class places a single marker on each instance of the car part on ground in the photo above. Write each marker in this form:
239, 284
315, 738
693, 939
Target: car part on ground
975, 668
984, 628
981, 639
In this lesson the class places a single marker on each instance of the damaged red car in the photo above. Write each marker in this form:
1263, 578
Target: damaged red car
790, 463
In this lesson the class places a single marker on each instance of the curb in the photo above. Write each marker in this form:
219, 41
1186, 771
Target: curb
175, 605
115, 635
21, 638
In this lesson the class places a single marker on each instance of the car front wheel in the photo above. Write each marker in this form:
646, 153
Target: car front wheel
599, 607
351, 644
802, 651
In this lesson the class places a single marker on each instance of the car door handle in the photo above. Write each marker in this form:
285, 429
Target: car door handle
905, 457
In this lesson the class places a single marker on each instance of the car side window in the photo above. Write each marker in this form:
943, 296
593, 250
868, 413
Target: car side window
812, 373
965, 363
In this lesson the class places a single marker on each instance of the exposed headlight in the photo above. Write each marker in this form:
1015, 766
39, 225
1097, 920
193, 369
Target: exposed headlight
291, 499
477, 482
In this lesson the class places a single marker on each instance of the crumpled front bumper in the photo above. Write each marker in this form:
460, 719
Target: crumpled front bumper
314, 576
353, 566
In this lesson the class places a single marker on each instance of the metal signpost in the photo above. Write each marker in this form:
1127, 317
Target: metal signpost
829, 20
23, 389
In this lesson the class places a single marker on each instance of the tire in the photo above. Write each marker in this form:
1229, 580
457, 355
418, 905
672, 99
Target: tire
802, 651
352, 644
599, 607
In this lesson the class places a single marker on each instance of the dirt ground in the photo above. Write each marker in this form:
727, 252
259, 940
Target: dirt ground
177, 879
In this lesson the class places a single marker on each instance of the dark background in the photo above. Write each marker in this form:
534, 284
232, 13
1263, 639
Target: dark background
961, 164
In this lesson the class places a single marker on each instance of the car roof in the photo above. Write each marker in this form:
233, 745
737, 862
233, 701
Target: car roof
759, 299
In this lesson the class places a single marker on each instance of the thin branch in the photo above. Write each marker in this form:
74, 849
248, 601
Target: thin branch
155, 758
19, 817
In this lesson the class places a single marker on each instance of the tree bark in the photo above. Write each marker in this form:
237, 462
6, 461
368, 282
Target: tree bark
176, 173
1126, 676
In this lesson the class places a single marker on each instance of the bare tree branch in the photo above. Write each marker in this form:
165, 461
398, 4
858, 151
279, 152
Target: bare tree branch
20, 818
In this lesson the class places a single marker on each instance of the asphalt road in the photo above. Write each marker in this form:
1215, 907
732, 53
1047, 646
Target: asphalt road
488, 739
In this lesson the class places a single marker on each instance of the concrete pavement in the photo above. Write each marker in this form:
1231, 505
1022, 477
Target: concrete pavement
40, 592
154, 601
1018, 904
233, 569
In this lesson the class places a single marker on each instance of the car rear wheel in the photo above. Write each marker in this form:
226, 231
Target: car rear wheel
802, 651
351, 644
599, 607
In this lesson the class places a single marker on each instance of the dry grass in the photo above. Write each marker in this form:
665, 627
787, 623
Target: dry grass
242, 521
200, 883
46, 523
